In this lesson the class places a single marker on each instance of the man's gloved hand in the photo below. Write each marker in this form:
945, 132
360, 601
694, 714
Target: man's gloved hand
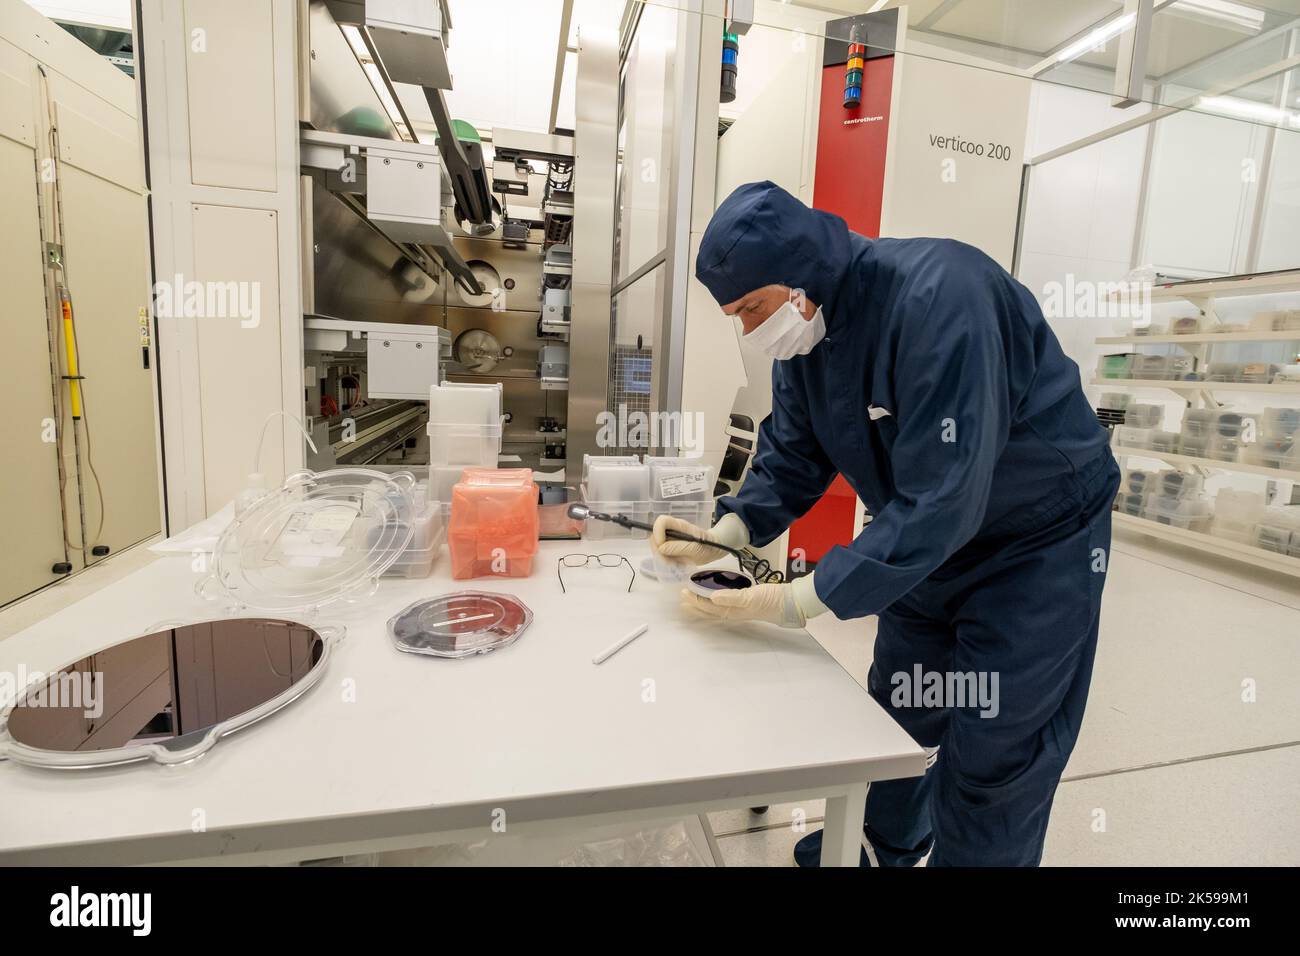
789, 605
730, 531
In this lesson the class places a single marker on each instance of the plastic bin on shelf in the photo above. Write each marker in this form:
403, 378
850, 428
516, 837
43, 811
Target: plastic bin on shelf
1130, 437
1162, 367
1239, 507
455, 443
1273, 538
1130, 503
494, 523
1193, 445
1198, 421
1270, 453
1259, 373
1242, 532
1164, 441
1137, 481
1144, 416
1179, 484
1186, 325
1116, 366
1117, 401
1276, 527
1223, 448
1192, 514
1279, 422
1224, 372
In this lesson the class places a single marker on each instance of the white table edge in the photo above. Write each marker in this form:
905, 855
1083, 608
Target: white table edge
296, 840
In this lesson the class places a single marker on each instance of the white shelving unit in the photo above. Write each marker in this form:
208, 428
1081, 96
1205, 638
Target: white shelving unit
1210, 544
1200, 338
1121, 384
1280, 474
1203, 294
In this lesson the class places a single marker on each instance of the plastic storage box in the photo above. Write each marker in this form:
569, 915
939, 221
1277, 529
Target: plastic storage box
1198, 421
1115, 366
1271, 453
1244, 507
455, 443
1259, 373
589, 460
605, 530
1144, 416
418, 560
1178, 484
681, 480
1163, 367
494, 523
466, 403
1164, 441
1279, 422
1133, 437
428, 532
1192, 514
617, 482
1130, 503
1138, 481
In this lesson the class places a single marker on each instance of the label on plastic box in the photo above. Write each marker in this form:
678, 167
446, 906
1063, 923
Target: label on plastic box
684, 483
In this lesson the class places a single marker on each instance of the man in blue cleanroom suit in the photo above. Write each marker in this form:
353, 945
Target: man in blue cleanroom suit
925, 375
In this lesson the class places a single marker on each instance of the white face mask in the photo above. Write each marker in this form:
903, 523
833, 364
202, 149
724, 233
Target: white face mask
786, 333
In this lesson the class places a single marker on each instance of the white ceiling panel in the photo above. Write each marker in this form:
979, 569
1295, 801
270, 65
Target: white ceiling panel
1033, 25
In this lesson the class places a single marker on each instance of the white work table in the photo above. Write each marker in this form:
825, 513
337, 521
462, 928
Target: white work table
393, 750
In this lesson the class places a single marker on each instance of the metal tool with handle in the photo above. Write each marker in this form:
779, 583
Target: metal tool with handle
580, 512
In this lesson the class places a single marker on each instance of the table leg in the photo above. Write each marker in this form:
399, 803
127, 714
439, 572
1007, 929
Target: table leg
842, 836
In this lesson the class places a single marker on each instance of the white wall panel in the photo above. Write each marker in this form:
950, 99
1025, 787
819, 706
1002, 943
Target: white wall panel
239, 377
230, 45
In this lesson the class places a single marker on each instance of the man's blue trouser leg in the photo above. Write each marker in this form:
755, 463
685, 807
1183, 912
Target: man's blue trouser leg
1013, 627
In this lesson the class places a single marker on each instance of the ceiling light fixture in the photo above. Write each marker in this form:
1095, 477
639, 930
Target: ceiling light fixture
1248, 109
1219, 12
1097, 38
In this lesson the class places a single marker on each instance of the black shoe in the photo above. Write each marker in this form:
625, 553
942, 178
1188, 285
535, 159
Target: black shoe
808, 851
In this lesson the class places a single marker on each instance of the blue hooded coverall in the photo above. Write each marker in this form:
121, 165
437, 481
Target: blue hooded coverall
989, 480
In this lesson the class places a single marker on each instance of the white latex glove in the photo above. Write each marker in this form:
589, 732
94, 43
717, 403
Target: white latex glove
730, 531
788, 605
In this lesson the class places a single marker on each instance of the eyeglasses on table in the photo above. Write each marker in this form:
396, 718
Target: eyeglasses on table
583, 560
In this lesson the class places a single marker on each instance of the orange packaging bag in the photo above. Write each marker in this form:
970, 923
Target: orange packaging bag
494, 523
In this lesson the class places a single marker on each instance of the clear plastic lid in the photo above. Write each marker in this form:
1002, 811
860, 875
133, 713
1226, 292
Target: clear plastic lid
320, 538
461, 624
